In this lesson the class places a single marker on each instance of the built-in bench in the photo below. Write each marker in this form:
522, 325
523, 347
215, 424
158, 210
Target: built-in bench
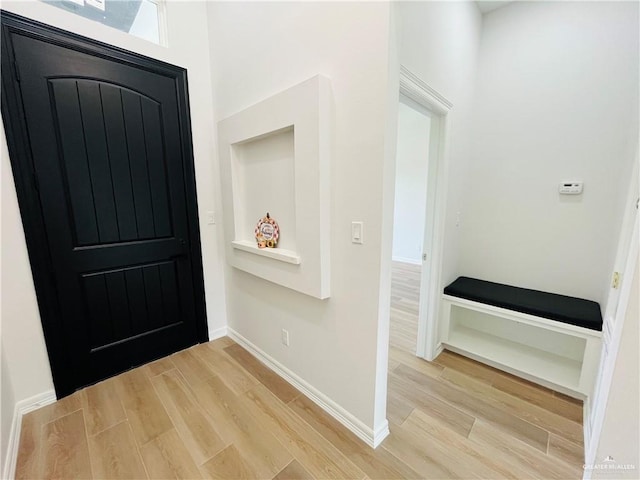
550, 339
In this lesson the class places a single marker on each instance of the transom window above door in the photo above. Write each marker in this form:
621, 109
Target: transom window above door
142, 18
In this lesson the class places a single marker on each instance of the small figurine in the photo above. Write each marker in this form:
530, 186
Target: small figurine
267, 232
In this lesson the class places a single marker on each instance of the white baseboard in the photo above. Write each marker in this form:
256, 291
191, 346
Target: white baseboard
218, 333
411, 261
589, 448
439, 349
379, 435
362, 431
21, 409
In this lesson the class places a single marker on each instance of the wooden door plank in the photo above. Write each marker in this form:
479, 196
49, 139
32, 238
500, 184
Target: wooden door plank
154, 149
119, 161
98, 158
121, 322
138, 163
69, 124
138, 307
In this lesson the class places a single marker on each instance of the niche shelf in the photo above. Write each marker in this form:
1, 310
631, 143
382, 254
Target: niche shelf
281, 254
274, 157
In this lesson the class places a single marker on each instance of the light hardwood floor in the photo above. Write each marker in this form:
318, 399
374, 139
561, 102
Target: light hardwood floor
405, 297
463, 418
214, 411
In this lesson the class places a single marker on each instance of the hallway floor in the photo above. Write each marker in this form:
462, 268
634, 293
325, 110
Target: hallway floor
455, 417
213, 411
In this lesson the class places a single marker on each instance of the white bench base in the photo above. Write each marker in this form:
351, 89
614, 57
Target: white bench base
556, 355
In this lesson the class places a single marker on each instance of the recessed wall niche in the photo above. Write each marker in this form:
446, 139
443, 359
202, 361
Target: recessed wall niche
274, 157
263, 172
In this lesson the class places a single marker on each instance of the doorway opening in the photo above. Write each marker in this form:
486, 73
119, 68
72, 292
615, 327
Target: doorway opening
409, 221
418, 221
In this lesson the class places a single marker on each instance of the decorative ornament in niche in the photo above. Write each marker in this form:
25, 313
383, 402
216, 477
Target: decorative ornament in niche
267, 232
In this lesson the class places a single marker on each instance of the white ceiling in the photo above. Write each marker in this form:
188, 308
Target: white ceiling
487, 6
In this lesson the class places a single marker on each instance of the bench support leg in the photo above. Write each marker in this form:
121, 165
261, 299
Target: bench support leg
590, 363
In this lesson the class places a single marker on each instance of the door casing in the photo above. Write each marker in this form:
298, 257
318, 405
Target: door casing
428, 344
27, 188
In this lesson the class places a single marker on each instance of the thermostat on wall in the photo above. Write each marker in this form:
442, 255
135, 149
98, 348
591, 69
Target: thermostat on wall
570, 188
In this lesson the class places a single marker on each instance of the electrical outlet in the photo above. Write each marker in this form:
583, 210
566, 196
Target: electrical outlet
285, 337
211, 220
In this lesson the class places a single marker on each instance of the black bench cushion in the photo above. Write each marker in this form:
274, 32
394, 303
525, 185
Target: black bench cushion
574, 311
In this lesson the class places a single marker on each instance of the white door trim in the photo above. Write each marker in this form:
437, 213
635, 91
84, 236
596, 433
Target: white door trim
412, 87
627, 258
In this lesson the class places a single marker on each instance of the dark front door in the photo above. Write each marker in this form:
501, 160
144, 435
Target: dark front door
100, 145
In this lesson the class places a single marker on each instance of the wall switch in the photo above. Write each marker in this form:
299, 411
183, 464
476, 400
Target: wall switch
285, 337
357, 232
457, 219
211, 219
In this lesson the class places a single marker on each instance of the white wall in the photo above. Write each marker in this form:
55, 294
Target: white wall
24, 352
25, 366
412, 157
7, 402
257, 50
439, 43
620, 436
557, 99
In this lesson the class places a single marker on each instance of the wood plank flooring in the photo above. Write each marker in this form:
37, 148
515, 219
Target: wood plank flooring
405, 297
214, 411
457, 418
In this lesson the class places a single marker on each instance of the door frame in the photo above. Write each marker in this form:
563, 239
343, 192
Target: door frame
412, 87
26, 182
626, 261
